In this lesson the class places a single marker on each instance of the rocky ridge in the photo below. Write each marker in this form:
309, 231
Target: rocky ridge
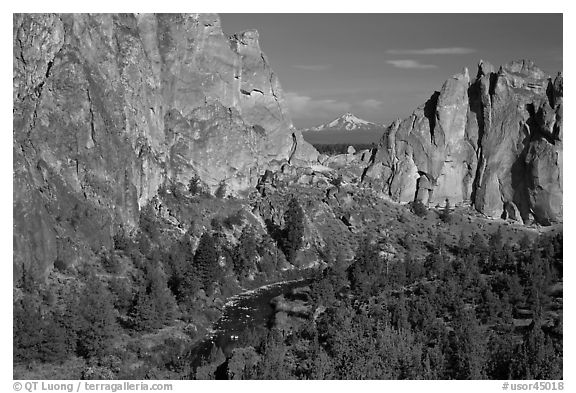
494, 142
109, 107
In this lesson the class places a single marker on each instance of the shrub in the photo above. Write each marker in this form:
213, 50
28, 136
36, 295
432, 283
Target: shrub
445, 214
221, 190
111, 263
418, 208
232, 220
195, 186
216, 224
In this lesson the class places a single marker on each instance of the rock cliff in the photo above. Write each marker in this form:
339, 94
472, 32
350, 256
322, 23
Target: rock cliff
494, 141
109, 107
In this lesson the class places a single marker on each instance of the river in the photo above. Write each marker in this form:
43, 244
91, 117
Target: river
243, 311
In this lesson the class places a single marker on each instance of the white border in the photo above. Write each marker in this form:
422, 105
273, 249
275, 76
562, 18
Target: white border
246, 6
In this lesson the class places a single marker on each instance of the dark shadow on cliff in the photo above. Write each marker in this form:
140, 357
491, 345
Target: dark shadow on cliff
430, 112
476, 107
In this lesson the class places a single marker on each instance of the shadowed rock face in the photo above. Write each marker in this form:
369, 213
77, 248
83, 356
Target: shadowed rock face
108, 107
495, 142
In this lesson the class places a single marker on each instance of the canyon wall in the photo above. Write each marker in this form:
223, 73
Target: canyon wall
109, 107
494, 141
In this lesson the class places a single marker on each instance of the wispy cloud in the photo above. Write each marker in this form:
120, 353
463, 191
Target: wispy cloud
305, 107
409, 64
432, 51
313, 67
371, 104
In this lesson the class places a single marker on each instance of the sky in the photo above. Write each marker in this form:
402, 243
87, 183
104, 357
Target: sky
382, 66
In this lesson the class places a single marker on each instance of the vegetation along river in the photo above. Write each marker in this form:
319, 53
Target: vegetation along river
244, 311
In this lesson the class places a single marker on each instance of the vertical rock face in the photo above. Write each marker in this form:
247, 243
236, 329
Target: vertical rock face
495, 142
108, 107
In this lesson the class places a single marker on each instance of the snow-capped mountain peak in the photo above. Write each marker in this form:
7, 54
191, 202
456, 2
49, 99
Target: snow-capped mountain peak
349, 122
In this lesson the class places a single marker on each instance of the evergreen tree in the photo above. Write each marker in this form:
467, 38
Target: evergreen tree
97, 324
479, 248
121, 289
537, 357
59, 340
293, 229
445, 214
27, 333
221, 190
242, 364
414, 269
323, 292
467, 346
367, 273
206, 262
418, 208
144, 313
183, 276
274, 363
525, 242
154, 304
149, 222
245, 253
195, 186
462, 244
157, 288
501, 351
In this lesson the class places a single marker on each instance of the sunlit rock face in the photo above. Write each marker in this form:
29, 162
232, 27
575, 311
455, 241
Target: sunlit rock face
108, 107
495, 142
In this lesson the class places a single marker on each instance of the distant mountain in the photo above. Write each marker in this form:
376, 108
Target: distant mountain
347, 122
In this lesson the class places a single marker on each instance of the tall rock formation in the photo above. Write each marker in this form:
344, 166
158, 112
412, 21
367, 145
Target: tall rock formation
495, 142
108, 107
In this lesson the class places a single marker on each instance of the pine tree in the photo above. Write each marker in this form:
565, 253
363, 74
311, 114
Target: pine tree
206, 262
195, 185
467, 352
144, 313
367, 271
245, 253
445, 214
161, 296
462, 244
414, 269
59, 340
496, 239
525, 242
98, 320
293, 229
242, 364
183, 275
149, 222
537, 358
27, 333
221, 190
419, 209
479, 248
